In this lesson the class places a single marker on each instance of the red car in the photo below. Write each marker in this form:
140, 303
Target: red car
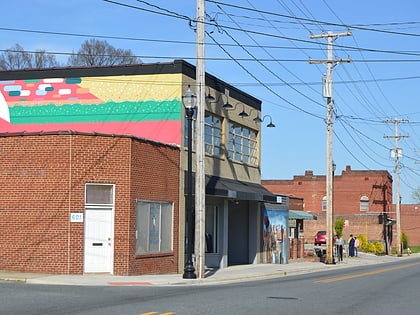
320, 238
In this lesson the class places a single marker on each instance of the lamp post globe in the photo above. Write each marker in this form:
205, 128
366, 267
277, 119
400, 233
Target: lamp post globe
189, 100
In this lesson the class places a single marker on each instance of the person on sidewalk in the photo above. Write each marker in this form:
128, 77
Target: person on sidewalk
351, 246
356, 246
339, 247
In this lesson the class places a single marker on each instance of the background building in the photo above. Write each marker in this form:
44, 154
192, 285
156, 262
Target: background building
359, 197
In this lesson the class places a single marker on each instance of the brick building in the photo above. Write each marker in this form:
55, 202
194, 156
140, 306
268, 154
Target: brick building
359, 197
93, 170
410, 222
45, 178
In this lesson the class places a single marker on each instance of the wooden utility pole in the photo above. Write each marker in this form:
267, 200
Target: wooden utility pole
200, 186
396, 153
327, 93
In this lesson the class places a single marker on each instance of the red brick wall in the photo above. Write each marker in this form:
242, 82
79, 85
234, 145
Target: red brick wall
349, 187
367, 225
43, 180
155, 176
410, 223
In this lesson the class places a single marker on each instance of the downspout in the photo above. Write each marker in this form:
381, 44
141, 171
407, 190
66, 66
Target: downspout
69, 206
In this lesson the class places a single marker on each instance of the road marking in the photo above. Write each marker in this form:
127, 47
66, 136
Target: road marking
153, 313
366, 273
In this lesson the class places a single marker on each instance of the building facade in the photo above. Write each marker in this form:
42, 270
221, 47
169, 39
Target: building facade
97, 149
410, 222
359, 197
71, 203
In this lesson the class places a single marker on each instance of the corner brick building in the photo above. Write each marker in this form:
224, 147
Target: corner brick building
43, 180
359, 197
93, 171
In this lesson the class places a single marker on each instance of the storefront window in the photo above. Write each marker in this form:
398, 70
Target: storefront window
154, 227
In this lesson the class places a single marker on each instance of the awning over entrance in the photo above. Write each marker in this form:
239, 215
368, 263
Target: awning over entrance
301, 215
235, 189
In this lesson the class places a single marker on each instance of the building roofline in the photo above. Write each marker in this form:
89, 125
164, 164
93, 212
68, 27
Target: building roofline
173, 67
74, 132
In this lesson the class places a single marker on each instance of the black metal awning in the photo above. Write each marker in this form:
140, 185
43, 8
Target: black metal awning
236, 189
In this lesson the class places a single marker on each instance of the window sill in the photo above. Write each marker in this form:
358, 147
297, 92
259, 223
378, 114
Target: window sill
154, 255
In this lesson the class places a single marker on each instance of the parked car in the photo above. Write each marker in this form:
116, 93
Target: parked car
320, 238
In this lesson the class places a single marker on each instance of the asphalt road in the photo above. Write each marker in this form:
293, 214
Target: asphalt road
390, 288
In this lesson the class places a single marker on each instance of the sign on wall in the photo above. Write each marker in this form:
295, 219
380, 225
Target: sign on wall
121, 105
76, 217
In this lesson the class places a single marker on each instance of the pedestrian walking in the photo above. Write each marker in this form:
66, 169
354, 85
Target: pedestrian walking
356, 246
351, 246
339, 247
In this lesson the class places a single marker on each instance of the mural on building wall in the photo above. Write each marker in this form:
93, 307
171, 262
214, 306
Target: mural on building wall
275, 238
124, 105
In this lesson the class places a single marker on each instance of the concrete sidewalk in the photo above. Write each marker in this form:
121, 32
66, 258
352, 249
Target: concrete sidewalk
217, 276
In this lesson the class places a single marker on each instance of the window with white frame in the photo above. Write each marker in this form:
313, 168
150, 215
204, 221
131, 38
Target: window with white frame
324, 203
364, 203
212, 135
242, 144
99, 195
154, 227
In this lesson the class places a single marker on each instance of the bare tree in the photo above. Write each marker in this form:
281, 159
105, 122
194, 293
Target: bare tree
95, 52
16, 58
416, 195
41, 59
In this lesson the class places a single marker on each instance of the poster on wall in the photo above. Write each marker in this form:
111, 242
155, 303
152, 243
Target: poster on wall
275, 238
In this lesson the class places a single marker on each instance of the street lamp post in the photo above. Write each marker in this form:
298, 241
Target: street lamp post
189, 100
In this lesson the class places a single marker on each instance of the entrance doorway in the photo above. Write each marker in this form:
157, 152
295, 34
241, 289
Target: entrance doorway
238, 234
98, 240
99, 228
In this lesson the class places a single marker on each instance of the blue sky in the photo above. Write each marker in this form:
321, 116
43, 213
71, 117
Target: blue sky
263, 48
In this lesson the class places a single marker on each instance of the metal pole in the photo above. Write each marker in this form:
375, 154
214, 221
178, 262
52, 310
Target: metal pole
200, 189
189, 270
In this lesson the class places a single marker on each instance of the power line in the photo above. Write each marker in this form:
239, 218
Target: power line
259, 61
314, 21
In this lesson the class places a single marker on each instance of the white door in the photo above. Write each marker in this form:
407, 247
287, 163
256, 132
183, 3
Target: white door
98, 240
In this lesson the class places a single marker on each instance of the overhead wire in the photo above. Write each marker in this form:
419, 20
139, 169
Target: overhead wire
372, 96
314, 21
300, 21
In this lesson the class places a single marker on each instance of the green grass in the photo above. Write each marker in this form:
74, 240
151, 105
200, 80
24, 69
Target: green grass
414, 249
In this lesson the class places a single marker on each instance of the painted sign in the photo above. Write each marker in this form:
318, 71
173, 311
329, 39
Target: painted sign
122, 105
275, 238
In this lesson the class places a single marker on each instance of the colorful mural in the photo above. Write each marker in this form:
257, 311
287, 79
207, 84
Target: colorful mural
275, 238
113, 105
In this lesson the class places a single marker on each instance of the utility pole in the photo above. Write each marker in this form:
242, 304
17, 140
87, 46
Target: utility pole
327, 93
396, 153
200, 186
